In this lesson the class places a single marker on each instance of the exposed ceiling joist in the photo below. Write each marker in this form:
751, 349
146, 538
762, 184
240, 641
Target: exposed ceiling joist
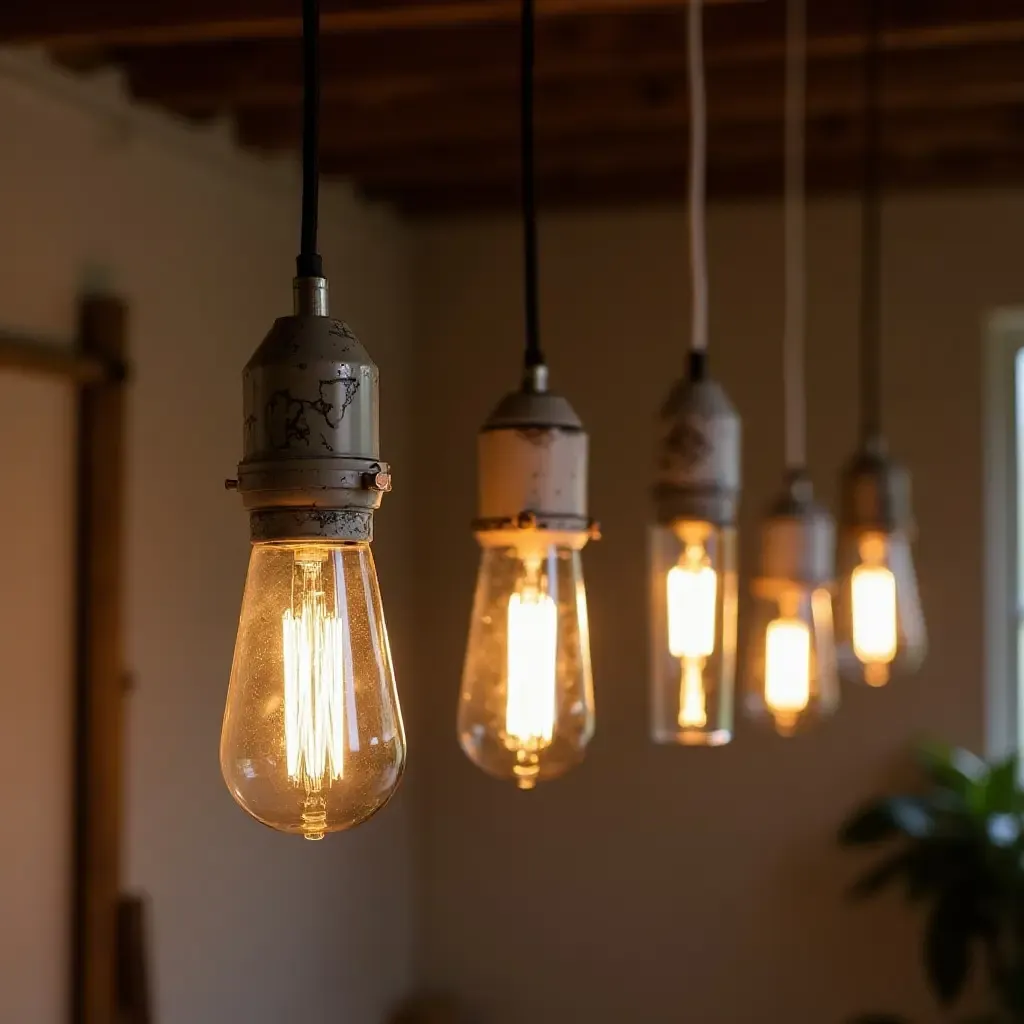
67, 24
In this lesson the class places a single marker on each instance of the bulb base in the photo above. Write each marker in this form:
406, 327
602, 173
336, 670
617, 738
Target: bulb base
698, 457
875, 492
311, 466
797, 541
532, 457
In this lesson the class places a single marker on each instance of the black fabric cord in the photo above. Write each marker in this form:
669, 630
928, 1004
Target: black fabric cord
533, 355
309, 263
871, 230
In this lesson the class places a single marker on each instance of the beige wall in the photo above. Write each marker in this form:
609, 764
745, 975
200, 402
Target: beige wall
656, 884
246, 925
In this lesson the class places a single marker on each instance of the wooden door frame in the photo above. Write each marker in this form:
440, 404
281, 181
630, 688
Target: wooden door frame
97, 365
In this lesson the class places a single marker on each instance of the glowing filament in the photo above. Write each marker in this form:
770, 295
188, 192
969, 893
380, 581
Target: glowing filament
787, 680
692, 591
314, 701
532, 637
693, 713
873, 596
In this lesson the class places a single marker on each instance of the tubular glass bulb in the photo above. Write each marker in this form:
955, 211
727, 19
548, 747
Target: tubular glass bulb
693, 616
879, 624
526, 708
313, 740
792, 665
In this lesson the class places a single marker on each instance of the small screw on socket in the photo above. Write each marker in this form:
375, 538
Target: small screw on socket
230, 485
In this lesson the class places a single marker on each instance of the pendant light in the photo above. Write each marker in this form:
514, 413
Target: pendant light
792, 666
312, 740
693, 554
879, 623
526, 706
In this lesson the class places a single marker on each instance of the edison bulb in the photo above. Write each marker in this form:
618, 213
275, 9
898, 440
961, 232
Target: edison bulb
792, 666
880, 627
313, 740
526, 706
693, 617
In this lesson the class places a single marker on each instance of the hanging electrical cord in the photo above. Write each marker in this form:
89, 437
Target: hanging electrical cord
533, 356
697, 189
871, 228
309, 263
794, 323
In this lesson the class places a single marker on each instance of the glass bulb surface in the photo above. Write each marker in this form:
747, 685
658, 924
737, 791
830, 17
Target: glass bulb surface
792, 665
313, 740
526, 706
880, 629
693, 632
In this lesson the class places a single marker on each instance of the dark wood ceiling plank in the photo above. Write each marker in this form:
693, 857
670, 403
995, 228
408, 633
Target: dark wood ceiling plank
957, 168
105, 23
972, 79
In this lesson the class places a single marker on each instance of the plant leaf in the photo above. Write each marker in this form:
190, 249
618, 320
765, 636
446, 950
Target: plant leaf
948, 946
884, 819
882, 874
1001, 793
952, 767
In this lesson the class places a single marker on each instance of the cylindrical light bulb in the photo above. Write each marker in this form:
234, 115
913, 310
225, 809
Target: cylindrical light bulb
694, 611
880, 626
313, 740
792, 666
526, 708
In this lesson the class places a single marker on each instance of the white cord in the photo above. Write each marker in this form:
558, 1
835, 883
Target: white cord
698, 172
794, 329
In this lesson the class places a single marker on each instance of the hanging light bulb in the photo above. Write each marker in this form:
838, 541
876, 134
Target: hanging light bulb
693, 543
312, 740
880, 626
792, 662
792, 666
526, 707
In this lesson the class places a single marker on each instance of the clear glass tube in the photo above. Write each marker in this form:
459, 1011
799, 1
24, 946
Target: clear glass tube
526, 707
791, 671
313, 740
693, 633
880, 629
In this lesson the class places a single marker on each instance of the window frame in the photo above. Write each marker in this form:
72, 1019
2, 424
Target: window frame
1003, 480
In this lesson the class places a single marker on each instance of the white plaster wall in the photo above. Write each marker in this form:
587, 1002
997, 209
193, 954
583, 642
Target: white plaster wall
665, 885
246, 925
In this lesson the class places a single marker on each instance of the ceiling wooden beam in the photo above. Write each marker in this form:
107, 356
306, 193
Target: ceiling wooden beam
975, 78
957, 170
207, 77
830, 141
103, 23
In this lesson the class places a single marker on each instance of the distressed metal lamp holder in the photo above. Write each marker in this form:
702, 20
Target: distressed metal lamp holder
875, 492
532, 453
698, 471
797, 542
311, 467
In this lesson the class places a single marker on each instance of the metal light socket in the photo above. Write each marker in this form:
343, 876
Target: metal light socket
532, 457
698, 470
875, 492
797, 540
311, 467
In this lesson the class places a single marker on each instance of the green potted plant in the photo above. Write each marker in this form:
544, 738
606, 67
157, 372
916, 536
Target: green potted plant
956, 848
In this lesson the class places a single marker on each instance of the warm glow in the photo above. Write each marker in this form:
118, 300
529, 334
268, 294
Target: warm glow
531, 700
787, 680
692, 592
873, 597
314, 695
692, 698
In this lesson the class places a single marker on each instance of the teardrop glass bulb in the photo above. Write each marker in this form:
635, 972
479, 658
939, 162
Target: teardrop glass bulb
313, 740
526, 709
